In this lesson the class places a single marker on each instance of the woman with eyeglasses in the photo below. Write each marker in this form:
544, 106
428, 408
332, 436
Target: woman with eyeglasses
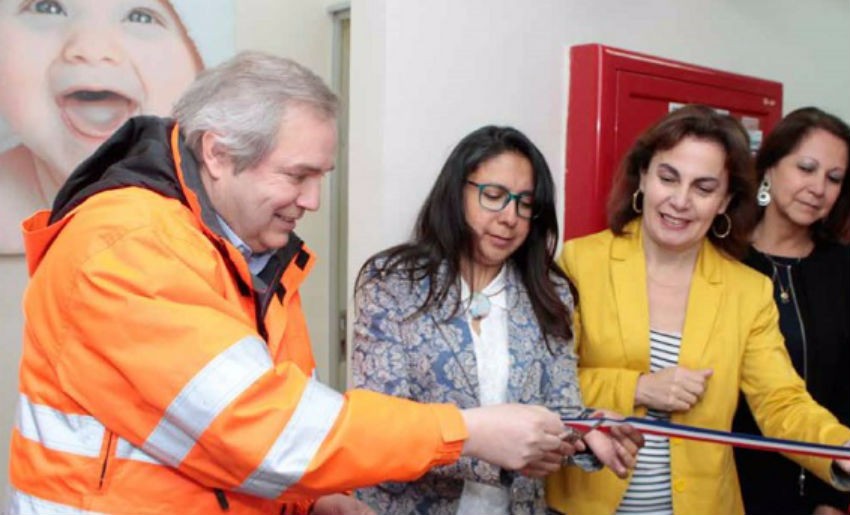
472, 311
804, 205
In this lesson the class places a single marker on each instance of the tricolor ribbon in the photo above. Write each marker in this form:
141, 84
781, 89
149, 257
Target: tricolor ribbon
669, 429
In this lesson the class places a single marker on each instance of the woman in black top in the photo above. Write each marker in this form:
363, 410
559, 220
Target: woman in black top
806, 205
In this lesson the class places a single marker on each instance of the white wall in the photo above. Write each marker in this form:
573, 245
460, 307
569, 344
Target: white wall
300, 29
426, 73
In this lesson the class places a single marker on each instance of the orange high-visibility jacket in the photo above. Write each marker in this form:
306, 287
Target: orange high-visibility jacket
159, 377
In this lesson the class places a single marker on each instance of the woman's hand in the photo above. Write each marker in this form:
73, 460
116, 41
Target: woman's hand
823, 509
553, 461
844, 464
617, 451
672, 389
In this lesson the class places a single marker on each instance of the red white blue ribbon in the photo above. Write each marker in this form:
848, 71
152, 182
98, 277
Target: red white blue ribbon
669, 429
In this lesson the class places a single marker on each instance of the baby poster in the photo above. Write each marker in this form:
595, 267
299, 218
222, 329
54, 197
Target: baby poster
73, 71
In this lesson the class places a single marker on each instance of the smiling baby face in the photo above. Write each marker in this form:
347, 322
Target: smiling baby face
73, 71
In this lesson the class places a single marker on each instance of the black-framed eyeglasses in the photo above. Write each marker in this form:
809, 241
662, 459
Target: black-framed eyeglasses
495, 197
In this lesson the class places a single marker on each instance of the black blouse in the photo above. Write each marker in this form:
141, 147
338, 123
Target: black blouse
816, 325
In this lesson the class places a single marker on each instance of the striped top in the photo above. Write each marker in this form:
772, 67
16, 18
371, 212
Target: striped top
649, 490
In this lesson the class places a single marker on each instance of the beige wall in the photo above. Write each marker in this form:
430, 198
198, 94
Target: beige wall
301, 30
13, 278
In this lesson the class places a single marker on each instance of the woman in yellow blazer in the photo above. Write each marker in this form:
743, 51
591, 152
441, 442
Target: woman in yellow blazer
681, 211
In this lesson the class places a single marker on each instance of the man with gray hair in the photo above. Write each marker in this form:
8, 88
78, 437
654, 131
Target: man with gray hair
166, 364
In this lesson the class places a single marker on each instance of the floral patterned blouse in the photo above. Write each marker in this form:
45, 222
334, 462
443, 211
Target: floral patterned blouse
429, 357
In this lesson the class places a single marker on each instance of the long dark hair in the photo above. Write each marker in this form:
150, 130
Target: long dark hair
703, 123
785, 138
442, 235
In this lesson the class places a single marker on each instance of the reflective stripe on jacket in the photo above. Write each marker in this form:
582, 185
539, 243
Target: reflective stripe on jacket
158, 376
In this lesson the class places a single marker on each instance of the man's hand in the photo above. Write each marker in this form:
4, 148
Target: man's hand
340, 504
516, 436
672, 389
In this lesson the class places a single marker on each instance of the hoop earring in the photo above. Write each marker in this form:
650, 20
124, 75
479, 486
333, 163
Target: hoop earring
763, 197
637, 209
725, 233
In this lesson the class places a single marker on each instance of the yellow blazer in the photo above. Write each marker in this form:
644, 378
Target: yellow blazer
731, 326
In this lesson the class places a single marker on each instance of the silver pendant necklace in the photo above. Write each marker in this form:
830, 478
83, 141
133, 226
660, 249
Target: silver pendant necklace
479, 305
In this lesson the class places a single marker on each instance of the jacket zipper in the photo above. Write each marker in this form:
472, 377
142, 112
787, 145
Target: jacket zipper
801, 479
222, 499
105, 460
